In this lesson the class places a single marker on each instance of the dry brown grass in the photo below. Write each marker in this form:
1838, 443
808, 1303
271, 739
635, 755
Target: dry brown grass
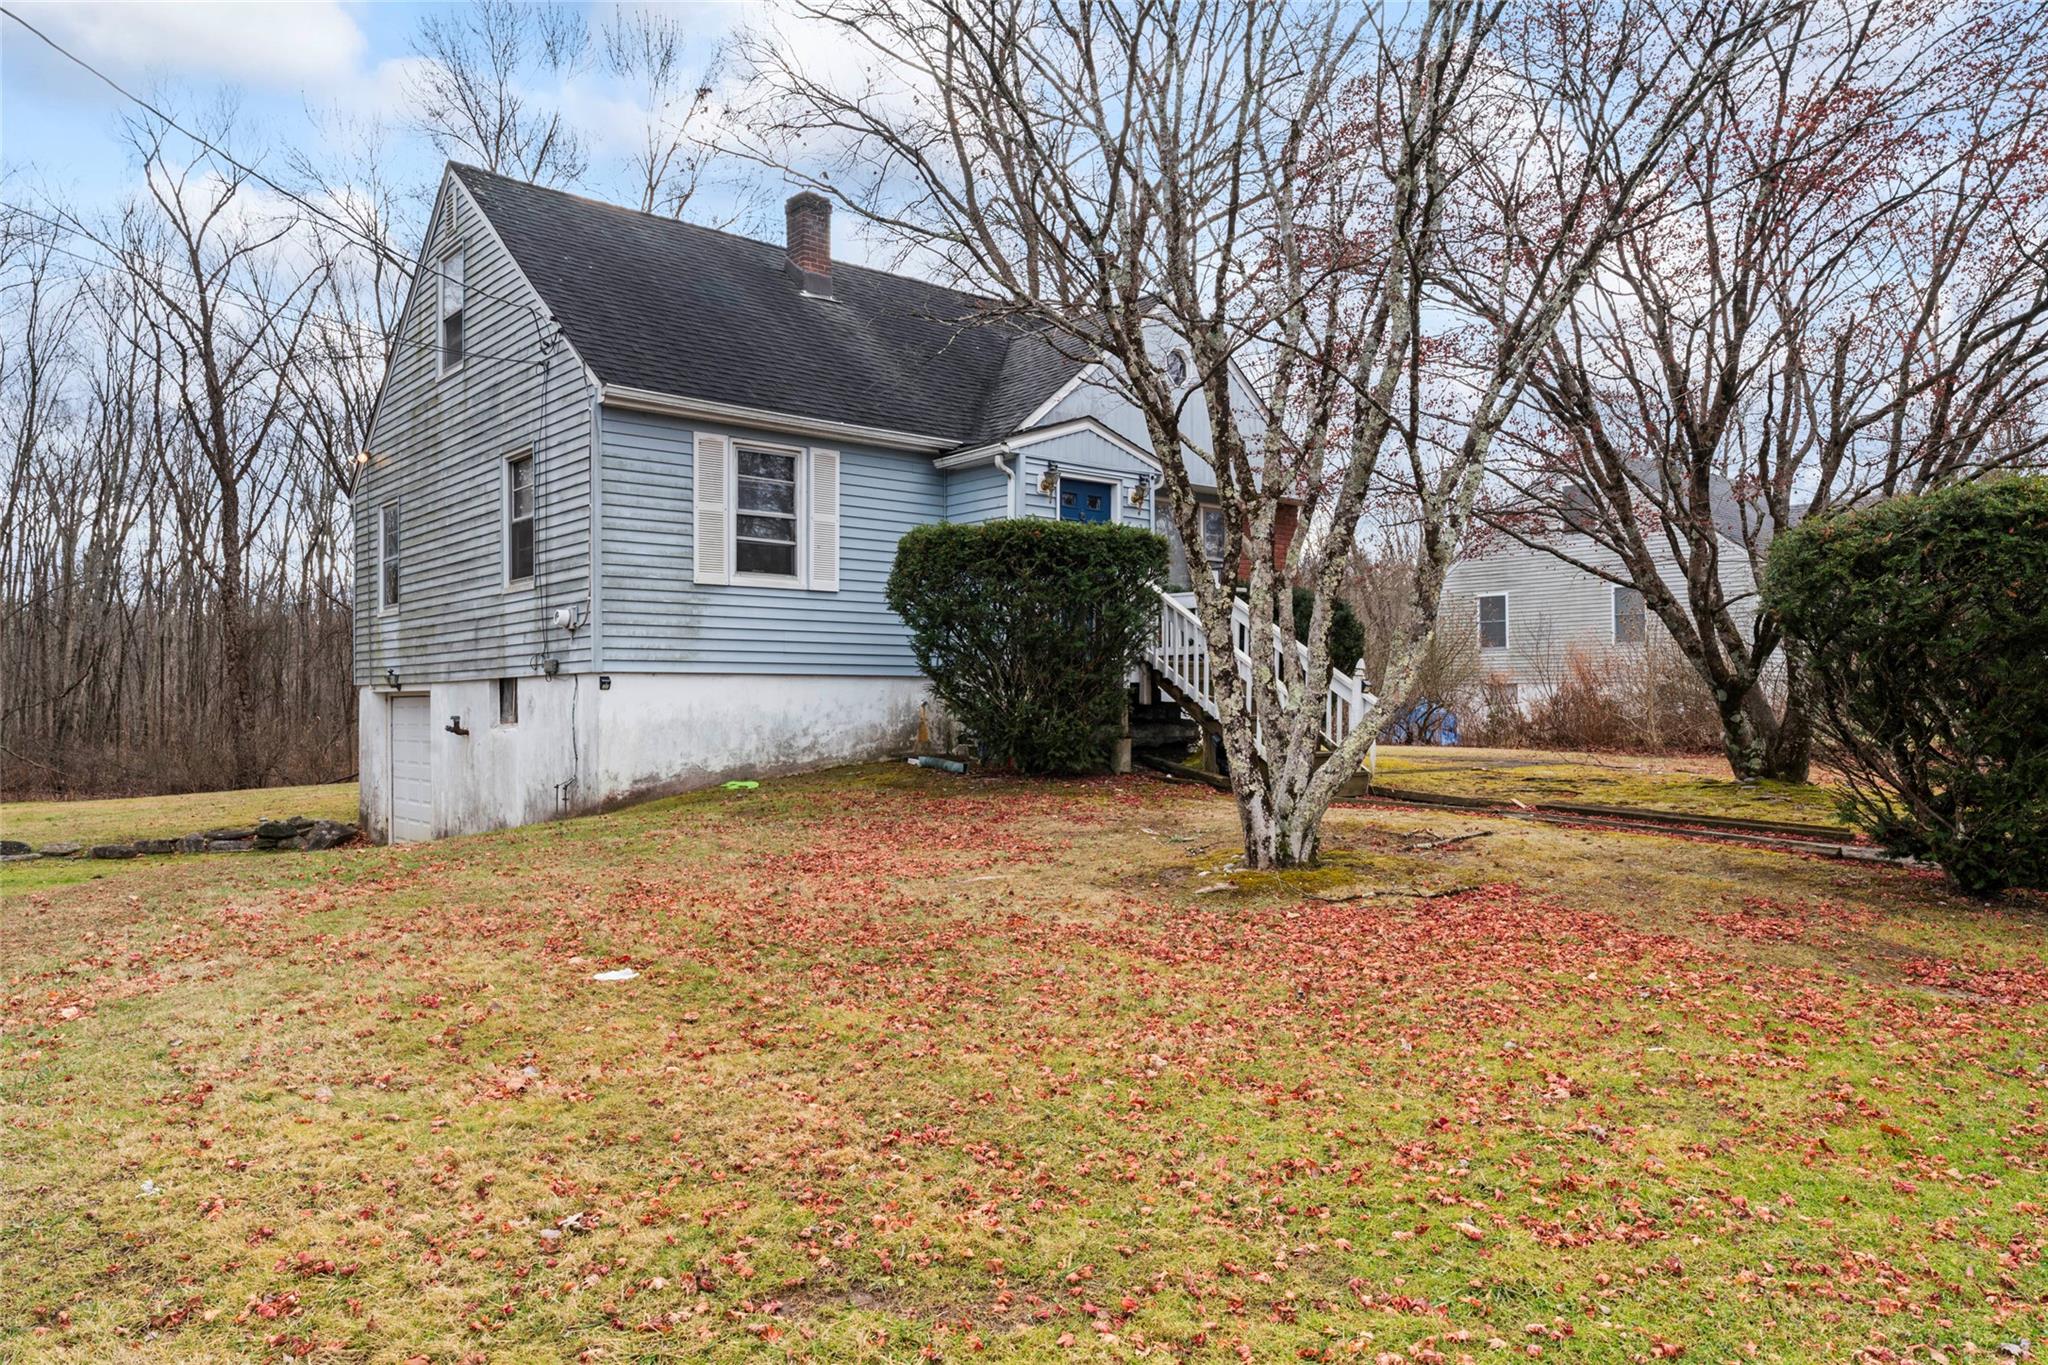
925, 1065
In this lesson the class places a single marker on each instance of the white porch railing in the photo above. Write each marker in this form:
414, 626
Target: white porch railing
1181, 653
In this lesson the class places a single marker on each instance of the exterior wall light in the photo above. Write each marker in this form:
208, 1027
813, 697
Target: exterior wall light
391, 677
1049, 482
1140, 490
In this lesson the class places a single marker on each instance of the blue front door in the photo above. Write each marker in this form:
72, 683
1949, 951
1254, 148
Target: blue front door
1085, 500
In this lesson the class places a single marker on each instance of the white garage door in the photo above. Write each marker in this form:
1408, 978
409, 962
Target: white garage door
412, 770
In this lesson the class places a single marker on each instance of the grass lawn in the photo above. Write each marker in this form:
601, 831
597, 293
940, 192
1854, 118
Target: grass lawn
917, 1065
1688, 786
164, 817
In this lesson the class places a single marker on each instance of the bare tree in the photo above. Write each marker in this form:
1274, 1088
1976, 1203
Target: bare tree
225, 325
1377, 216
1849, 300
651, 52
114, 646
471, 94
363, 287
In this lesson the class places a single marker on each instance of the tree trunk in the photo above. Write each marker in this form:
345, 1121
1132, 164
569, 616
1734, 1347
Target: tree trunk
234, 632
1790, 757
1280, 831
1761, 743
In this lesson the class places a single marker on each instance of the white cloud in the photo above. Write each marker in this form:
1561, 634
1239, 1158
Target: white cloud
307, 46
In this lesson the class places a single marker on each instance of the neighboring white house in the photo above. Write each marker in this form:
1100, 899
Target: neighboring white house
1529, 612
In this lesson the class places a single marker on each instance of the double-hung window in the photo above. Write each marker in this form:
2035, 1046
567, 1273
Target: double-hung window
1630, 620
387, 556
1212, 535
1493, 621
519, 518
765, 513
450, 293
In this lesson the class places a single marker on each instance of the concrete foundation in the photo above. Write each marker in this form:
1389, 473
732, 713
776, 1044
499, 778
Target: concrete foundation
581, 746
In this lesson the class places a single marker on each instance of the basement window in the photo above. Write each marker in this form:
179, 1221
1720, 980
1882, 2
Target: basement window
508, 701
1493, 621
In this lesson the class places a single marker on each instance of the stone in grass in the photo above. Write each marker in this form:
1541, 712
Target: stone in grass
229, 845
19, 857
112, 851
156, 845
8, 846
60, 850
231, 833
325, 834
192, 843
277, 831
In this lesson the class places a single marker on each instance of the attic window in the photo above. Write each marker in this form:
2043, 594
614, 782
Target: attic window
450, 295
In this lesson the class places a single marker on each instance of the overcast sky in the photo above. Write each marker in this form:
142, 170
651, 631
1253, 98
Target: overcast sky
289, 70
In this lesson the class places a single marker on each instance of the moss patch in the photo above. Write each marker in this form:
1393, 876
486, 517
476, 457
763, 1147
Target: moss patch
1337, 870
1544, 778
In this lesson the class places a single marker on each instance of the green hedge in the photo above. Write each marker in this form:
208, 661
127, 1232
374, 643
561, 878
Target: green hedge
1028, 629
1347, 636
1926, 623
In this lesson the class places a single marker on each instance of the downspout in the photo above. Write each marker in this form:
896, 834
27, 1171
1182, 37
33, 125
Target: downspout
1010, 475
596, 467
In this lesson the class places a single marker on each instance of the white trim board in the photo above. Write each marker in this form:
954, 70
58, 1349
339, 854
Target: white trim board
761, 419
1010, 445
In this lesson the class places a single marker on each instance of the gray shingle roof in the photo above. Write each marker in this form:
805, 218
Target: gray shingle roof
653, 303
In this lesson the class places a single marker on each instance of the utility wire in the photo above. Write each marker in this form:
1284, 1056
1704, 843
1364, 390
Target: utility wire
307, 312
362, 239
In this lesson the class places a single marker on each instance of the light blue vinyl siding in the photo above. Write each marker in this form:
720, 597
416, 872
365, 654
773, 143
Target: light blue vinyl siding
1086, 455
979, 494
657, 618
1097, 396
438, 450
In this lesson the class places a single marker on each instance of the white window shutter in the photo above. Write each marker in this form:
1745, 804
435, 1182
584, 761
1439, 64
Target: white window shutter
713, 549
824, 520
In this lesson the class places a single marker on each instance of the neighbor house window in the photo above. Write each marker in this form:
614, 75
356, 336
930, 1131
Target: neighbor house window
508, 701
1629, 617
519, 518
1212, 534
764, 522
1493, 621
387, 555
450, 294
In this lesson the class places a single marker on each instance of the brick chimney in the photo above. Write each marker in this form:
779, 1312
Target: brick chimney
809, 219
